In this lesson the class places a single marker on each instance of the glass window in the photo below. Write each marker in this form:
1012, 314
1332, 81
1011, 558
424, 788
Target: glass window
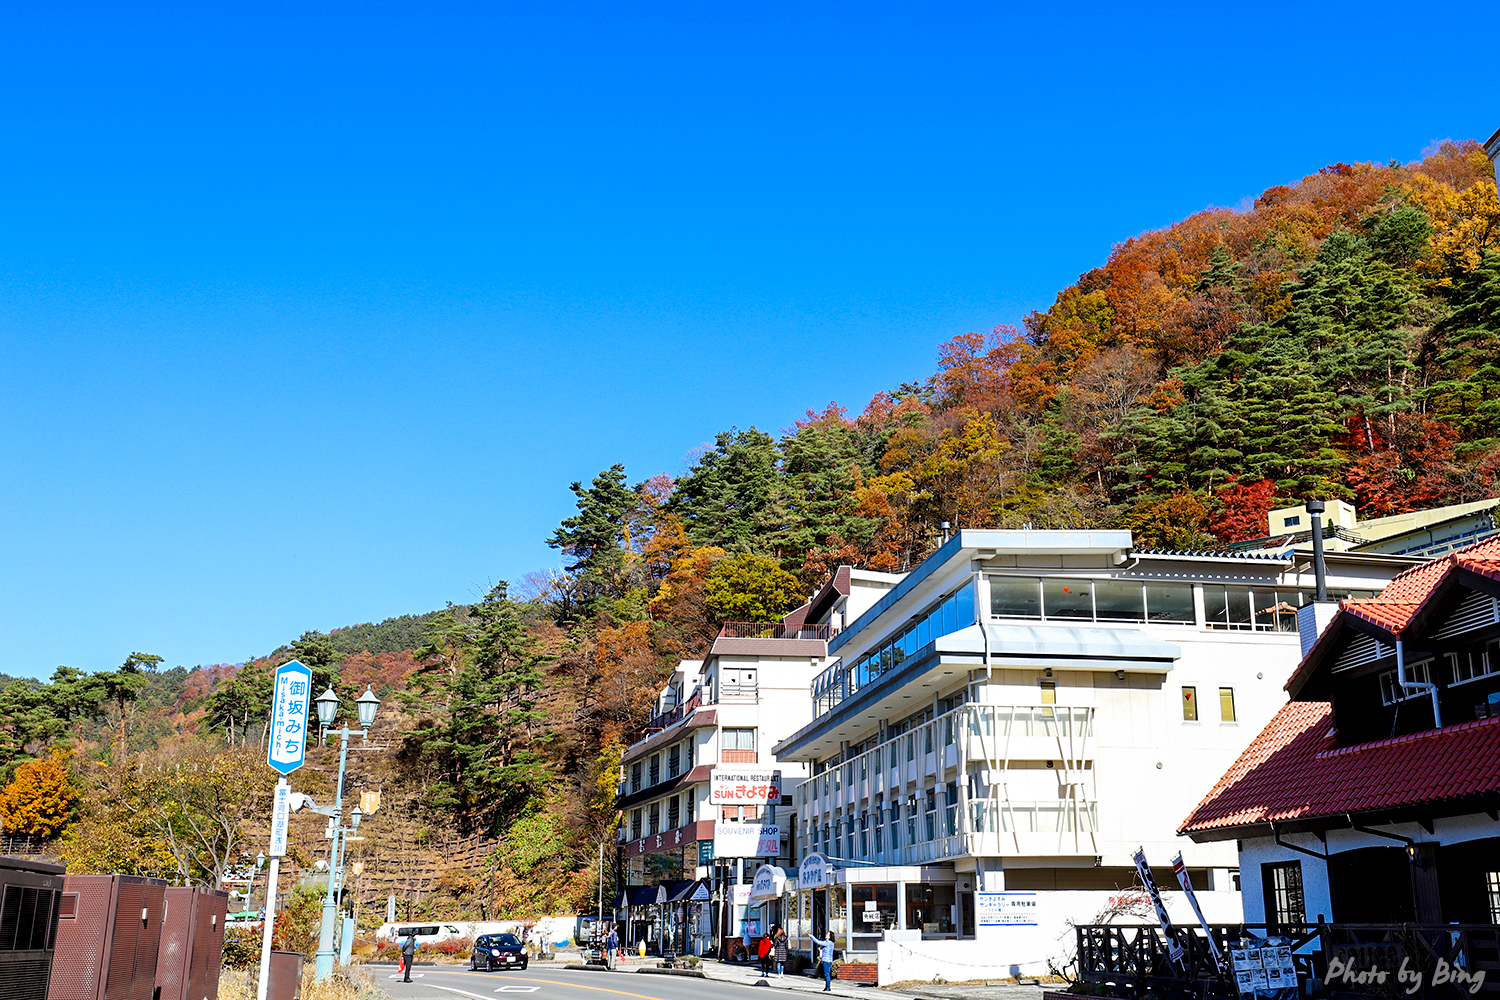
1263, 607
949, 616
1226, 704
1068, 598
924, 633
1190, 704
1015, 597
739, 739
1282, 884
1215, 606
1119, 600
1170, 602
1049, 692
1239, 607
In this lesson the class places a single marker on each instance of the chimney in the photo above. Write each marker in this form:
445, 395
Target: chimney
1492, 147
1320, 569
945, 532
1313, 618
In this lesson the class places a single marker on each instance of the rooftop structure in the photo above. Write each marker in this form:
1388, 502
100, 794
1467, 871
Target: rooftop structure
1420, 533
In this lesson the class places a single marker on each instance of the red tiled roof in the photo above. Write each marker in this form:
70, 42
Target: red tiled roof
1394, 607
1295, 769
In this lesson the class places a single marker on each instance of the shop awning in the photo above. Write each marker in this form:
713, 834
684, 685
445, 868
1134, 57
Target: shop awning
770, 882
678, 892
637, 895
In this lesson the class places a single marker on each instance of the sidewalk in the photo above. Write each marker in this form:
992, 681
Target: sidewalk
749, 974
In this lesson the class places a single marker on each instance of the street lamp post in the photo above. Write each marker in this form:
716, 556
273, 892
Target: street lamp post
328, 710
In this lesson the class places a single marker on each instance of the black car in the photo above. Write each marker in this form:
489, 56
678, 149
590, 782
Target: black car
498, 951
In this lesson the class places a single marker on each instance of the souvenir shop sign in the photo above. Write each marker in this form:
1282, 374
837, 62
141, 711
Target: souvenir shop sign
747, 840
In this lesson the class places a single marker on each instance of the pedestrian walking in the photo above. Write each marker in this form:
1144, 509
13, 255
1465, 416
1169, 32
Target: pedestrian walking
763, 951
825, 955
612, 951
778, 944
408, 954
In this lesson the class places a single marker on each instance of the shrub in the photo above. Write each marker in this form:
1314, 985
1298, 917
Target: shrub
241, 949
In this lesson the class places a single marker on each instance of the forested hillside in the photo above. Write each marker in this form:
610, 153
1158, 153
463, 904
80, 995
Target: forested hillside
1336, 339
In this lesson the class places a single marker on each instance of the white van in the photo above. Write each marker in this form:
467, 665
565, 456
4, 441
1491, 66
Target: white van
426, 933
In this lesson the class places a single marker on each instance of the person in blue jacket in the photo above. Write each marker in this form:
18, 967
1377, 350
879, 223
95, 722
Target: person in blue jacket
825, 955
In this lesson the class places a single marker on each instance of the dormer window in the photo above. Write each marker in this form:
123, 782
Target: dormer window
1391, 692
1474, 664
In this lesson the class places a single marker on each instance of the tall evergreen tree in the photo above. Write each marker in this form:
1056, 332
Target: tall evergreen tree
599, 538
734, 496
1467, 348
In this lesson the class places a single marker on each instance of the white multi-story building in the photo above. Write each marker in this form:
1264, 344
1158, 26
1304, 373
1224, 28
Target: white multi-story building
1000, 729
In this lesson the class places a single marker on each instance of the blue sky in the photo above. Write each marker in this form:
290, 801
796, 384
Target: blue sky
310, 313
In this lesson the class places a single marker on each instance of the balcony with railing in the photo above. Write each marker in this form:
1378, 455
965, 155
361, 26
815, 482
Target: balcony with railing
776, 630
932, 757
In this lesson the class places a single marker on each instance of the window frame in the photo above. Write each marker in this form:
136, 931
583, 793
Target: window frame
1282, 888
1190, 703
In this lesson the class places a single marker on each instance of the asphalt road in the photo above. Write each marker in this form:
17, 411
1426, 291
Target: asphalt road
434, 982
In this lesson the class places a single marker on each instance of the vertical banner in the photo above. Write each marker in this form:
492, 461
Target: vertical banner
1180, 870
291, 693
1175, 951
281, 814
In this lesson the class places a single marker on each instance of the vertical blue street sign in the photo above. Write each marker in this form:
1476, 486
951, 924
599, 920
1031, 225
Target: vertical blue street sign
290, 699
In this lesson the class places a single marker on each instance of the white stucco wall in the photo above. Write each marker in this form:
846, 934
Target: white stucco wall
1315, 887
997, 952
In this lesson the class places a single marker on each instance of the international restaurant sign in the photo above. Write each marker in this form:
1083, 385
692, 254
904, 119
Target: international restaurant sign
744, 787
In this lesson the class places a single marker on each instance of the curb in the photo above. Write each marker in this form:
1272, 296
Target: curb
690, 973
588, 968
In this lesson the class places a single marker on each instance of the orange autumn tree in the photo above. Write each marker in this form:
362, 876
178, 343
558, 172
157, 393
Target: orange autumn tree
38, 802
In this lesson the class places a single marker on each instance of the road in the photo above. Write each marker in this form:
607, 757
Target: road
436, 982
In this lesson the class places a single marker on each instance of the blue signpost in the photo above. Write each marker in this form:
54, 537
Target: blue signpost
286, 750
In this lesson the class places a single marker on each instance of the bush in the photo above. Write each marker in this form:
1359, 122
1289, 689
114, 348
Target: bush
241, 949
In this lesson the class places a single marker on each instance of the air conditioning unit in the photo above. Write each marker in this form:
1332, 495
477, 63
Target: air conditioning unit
191, 952
30, 894
109, 928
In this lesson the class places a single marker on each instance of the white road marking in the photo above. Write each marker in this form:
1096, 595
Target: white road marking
518, 989
466, 993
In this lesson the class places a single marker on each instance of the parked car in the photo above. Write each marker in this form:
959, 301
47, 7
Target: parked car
498, 951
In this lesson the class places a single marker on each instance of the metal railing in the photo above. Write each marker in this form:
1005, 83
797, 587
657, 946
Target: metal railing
776, 630
1134, 957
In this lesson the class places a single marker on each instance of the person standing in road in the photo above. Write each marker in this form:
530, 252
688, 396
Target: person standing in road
779, 943
825, 955
408, 953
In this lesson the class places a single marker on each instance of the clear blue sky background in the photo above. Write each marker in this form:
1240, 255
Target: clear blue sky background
310, 313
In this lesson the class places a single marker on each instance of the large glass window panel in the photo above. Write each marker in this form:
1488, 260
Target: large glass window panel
1263, 609
1015, 597
1068, 599
1119, 601
1287, 603
1170, 602
1215, 606
950, 617
923, 633
1239, 607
